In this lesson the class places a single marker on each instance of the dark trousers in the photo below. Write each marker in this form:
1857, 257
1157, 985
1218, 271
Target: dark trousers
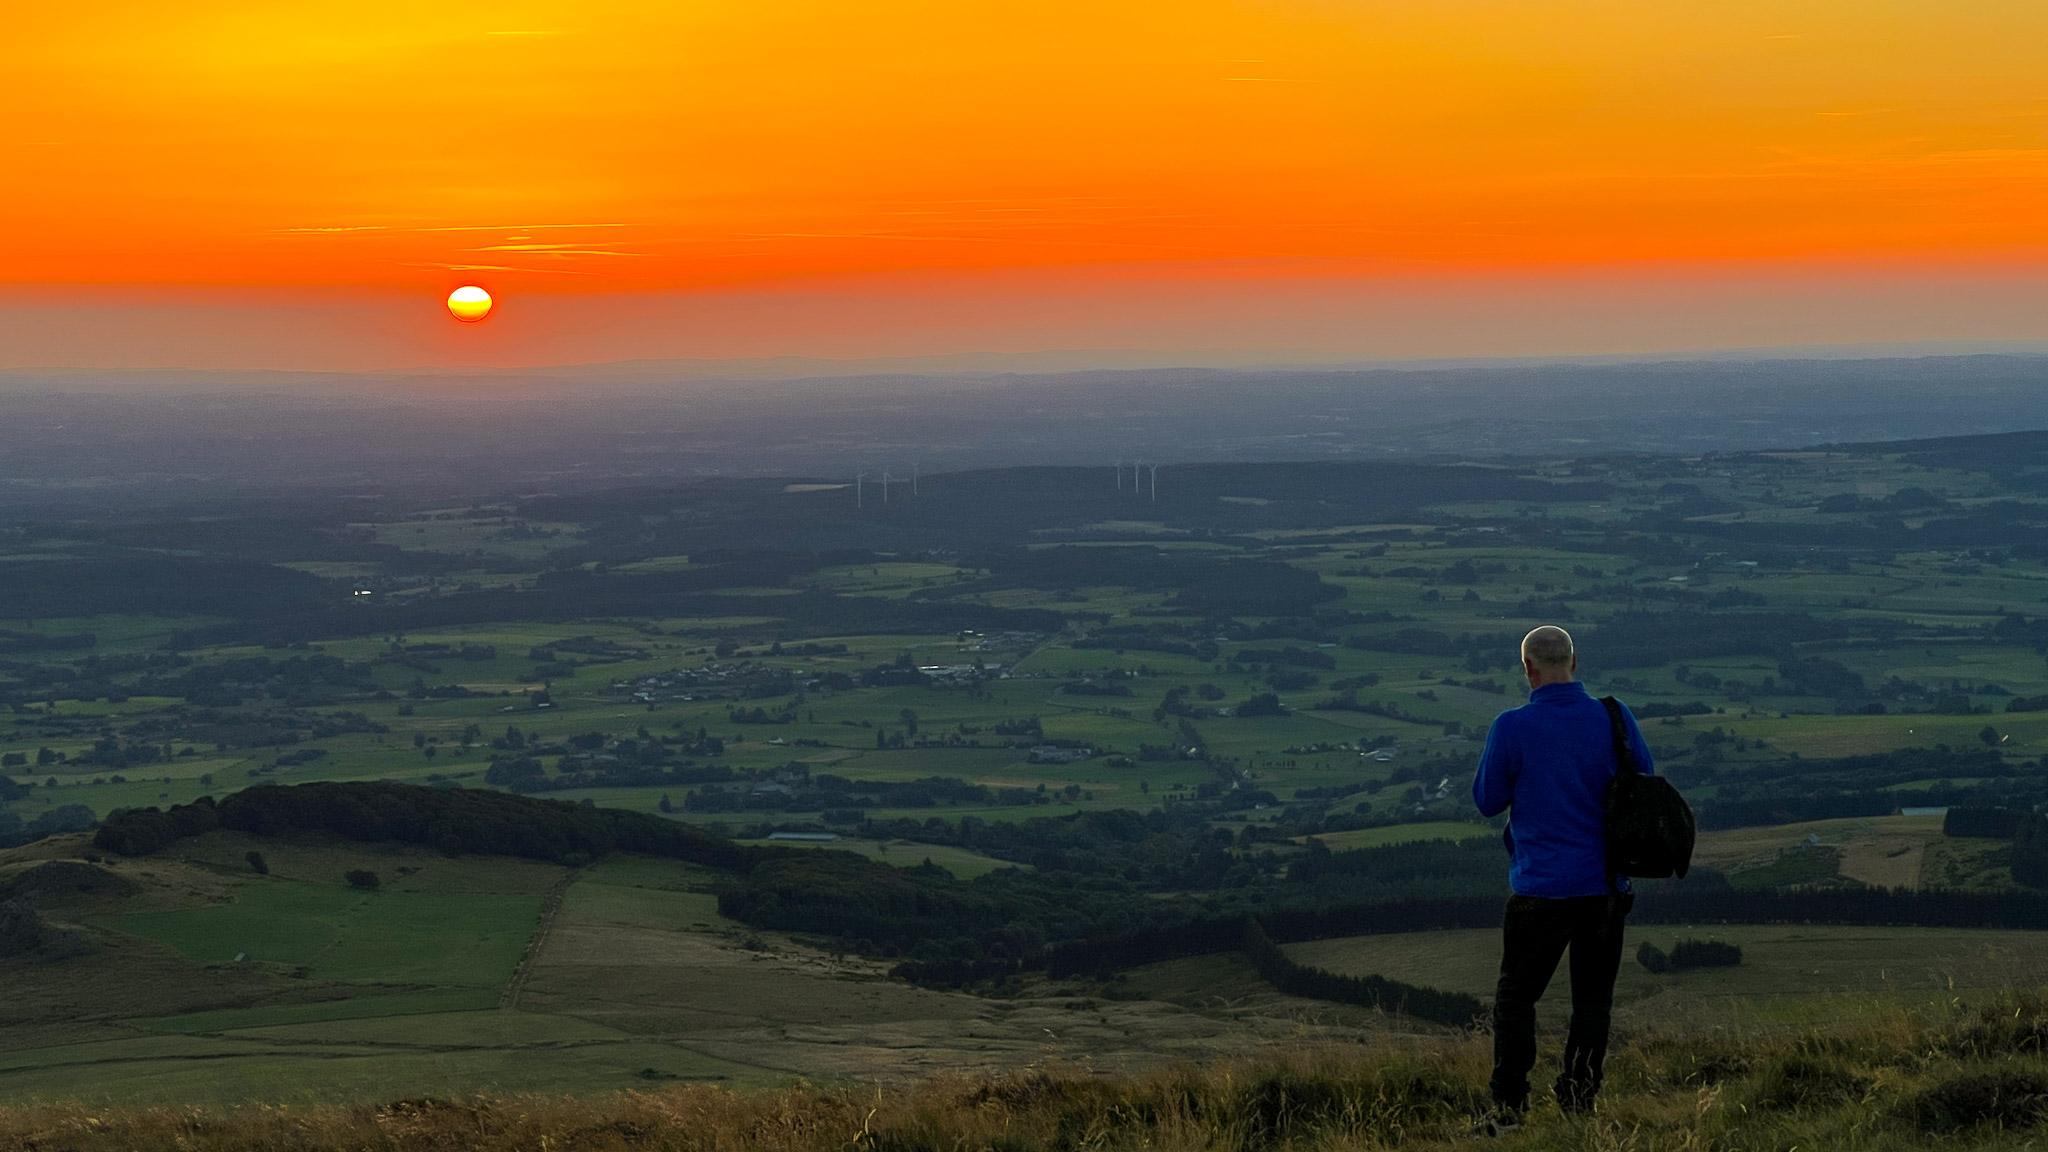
1534, 935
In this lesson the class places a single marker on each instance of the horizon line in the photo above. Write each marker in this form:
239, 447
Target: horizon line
793, 368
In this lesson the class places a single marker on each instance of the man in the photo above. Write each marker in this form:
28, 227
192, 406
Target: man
1547, 763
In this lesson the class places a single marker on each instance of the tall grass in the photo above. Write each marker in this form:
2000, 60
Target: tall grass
1969, 1078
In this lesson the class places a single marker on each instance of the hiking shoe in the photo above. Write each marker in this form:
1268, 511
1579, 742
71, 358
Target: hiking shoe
1575, 1103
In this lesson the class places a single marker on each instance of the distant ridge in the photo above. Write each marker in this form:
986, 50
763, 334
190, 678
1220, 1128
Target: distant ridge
66, 435
791, 369
2031, 444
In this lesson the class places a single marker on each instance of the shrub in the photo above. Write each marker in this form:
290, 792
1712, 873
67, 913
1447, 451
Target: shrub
362, 878
2009, 1099
1688, 954
1705, 954
2000, 1029
256, 863
21, 930
1804, 1082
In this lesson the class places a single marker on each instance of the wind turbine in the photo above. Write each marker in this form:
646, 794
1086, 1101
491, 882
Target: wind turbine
885, 487
1119, 475
859, 498
1155, 483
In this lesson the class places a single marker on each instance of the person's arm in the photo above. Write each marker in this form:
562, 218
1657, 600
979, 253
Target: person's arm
1493, 786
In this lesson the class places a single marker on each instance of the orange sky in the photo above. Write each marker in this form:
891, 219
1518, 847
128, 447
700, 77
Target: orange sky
663, 146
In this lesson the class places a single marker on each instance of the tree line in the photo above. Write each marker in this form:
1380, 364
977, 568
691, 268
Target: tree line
1871, 907
1456, 1009
453, 820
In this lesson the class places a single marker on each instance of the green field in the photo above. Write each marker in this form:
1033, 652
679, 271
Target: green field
338, 933
410, 983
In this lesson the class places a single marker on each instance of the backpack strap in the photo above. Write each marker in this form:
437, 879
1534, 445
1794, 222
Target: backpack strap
1624, 758
1624, 764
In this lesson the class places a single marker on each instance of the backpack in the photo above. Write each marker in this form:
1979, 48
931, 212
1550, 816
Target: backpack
1650, 828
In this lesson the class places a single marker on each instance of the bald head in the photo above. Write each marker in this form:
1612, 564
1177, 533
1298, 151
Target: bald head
1548, 651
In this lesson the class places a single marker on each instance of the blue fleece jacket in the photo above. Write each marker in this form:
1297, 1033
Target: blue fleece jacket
1550, 761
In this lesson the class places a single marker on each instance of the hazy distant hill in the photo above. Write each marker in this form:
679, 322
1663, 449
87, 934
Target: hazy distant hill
152, 434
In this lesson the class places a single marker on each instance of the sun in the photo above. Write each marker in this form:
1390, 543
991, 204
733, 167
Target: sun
469, 304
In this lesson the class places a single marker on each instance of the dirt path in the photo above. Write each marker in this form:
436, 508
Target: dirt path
553, 904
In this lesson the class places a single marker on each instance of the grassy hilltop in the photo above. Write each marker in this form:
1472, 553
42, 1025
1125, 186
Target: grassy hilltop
1969, 1078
